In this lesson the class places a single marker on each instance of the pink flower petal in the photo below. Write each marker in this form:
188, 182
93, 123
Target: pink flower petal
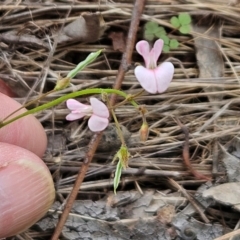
146, 78
164, 74
155, 80
74, 116
99, 108
156, 50
78, 109
73, 104
97, 124
143, 49
150, 57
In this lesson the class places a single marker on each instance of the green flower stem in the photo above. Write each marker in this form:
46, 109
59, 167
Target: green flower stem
66, 97
27, 104
117, 124
118, 128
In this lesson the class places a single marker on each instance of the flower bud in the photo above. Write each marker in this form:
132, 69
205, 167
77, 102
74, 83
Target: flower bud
123, 156
144, 131
62, 83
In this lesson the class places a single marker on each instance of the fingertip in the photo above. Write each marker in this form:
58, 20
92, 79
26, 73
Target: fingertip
26, 132
26, 189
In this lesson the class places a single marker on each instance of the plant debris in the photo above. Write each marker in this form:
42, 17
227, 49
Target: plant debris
88, 27
204, 96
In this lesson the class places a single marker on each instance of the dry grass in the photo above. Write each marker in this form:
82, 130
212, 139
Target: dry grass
32, 72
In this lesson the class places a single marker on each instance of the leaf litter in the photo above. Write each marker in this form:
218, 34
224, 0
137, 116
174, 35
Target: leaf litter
204, 96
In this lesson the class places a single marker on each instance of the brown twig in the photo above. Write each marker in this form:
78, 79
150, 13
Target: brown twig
126, 60
131, 39
186, 157
195, 204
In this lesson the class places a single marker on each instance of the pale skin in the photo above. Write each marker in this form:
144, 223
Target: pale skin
22, 144
26, 132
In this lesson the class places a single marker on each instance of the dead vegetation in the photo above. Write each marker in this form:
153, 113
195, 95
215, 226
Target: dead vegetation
203, 96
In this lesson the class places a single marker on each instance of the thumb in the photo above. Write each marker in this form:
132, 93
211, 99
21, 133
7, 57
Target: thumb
26, 189
26, 132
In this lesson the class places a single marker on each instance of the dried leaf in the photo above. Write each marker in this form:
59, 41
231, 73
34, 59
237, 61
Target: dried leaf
118, 41
209, 57
89, 27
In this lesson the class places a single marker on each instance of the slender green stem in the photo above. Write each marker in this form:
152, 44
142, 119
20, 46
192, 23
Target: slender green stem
66, 97
116, 123
29, 103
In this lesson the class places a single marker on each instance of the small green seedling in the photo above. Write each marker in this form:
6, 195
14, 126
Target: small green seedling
166, 41
173, 43
182, 23
153, 31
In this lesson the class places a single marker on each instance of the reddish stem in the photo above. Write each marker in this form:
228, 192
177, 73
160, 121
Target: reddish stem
186, 157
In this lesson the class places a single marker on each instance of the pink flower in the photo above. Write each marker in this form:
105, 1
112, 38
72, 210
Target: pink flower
97, 111
153, 78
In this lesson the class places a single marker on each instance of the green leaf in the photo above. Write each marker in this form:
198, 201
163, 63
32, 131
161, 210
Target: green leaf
148, 35
175, 22
151, 27
166, 48
161, 36
166, 39
184, 18
117, 176
90, 58
173, 43
185, 29
161, 30
147, 31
